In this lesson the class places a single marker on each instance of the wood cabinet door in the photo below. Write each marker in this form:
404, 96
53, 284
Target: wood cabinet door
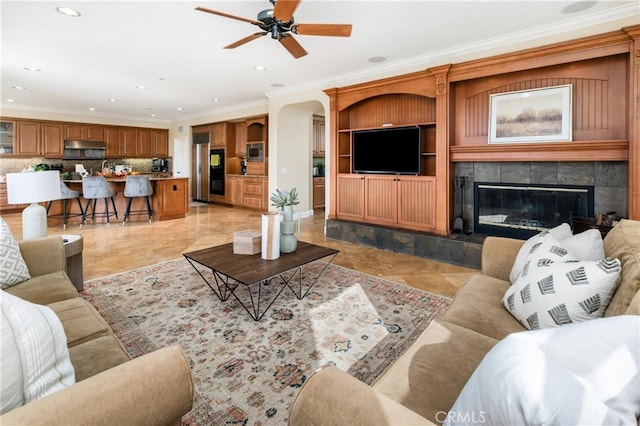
318, 136
417, 202
128, 142
241, 139
318, 192
171, 198
160, 140
28, 138
113, 139
74, 132
381, 199
350, 200
253, 192
94, 133
144, 146
218, 135
52, 140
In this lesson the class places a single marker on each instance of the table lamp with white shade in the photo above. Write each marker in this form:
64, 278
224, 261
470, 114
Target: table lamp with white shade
33, 188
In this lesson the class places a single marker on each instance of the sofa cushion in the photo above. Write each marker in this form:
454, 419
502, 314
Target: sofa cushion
97, 355
557, 293
587, 373
478, 307
428, 377
42, 365
80, 320
623, 243
13, 269
45, 289
586, 245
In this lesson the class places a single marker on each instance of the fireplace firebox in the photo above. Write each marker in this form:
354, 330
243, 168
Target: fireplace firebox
522, 210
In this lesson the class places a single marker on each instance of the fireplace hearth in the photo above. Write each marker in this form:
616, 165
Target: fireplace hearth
523, 210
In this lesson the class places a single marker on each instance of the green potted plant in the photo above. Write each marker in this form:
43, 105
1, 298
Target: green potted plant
285, 200
320, 167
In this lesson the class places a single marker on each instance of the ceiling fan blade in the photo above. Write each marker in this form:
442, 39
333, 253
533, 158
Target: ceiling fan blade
245, 40
284, 9
226, 15
292, 45
334, 30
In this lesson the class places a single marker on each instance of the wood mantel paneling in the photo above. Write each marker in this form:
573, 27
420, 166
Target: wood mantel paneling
552, 151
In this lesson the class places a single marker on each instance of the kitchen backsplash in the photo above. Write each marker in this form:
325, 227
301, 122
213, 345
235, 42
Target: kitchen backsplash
13, 165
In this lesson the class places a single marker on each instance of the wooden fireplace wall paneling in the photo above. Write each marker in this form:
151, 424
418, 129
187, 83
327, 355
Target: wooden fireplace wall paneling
396, 109
600, 118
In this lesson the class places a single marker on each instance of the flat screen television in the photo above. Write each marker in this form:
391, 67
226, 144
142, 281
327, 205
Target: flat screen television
395, 150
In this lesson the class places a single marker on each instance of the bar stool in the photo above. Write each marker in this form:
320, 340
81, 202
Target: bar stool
138, 186
67, 194
93, 188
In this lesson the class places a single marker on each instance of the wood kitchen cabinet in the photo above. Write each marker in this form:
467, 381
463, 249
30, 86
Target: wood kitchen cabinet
128, 142
160, 143
84, 132
318, 192
144, 146
52, 140
113, 139
28, 141
234, 190
222, 134
241, 139
318, 136
171, 198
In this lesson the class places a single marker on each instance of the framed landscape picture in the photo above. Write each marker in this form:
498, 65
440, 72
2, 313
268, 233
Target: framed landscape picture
525, 116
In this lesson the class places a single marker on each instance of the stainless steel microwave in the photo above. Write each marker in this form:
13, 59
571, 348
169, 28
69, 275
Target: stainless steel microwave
255, 152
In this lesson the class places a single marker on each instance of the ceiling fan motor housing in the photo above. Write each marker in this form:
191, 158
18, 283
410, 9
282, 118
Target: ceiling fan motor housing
273, 25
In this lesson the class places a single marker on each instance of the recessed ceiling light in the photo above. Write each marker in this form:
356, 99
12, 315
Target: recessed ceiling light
375, 59
179, 108
112, 100
277, 85
19, 88
161, 78
141, 87
215, 99
579, 6
92, 109
10, 100
153, 115
32, 69
260, 68
67, 11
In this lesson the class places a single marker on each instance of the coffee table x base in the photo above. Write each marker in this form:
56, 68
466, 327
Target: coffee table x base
254, 282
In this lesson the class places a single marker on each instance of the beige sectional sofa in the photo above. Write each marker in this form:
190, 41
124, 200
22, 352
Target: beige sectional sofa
423, 384
110, 388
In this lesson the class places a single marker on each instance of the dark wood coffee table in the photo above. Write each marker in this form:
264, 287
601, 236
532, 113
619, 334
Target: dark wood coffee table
250, 279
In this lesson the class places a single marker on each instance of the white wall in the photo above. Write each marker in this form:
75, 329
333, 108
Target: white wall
291, 143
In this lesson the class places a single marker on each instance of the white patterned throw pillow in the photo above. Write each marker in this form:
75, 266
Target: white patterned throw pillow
550, 294
14, 270
586, 245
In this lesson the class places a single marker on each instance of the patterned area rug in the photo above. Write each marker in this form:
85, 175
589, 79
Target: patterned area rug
248, 372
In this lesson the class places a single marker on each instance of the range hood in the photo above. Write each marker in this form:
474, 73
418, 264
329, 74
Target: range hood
80, 150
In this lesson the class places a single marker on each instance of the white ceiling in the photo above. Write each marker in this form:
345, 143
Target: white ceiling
177, 52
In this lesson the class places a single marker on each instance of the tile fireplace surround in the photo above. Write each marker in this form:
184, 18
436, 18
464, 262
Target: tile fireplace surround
609, 179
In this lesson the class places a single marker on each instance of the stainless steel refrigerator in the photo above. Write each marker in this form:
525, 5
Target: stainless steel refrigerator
200, 167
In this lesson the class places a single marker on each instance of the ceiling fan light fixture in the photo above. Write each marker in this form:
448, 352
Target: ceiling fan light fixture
67, 11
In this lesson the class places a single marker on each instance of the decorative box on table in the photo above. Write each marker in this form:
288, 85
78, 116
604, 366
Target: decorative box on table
248, 241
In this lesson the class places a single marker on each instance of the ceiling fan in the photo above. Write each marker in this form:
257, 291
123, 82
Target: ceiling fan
280, 24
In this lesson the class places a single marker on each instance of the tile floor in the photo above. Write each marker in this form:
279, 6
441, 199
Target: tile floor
117, 248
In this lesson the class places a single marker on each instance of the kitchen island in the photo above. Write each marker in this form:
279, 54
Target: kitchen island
170, 200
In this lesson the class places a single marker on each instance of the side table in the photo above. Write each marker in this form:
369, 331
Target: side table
73, 251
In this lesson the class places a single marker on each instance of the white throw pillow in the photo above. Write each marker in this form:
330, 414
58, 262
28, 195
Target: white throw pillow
550, 294
34, 358
587, 373
13, 269
586, 245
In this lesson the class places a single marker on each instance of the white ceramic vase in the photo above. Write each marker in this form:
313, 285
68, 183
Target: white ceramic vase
270, 235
